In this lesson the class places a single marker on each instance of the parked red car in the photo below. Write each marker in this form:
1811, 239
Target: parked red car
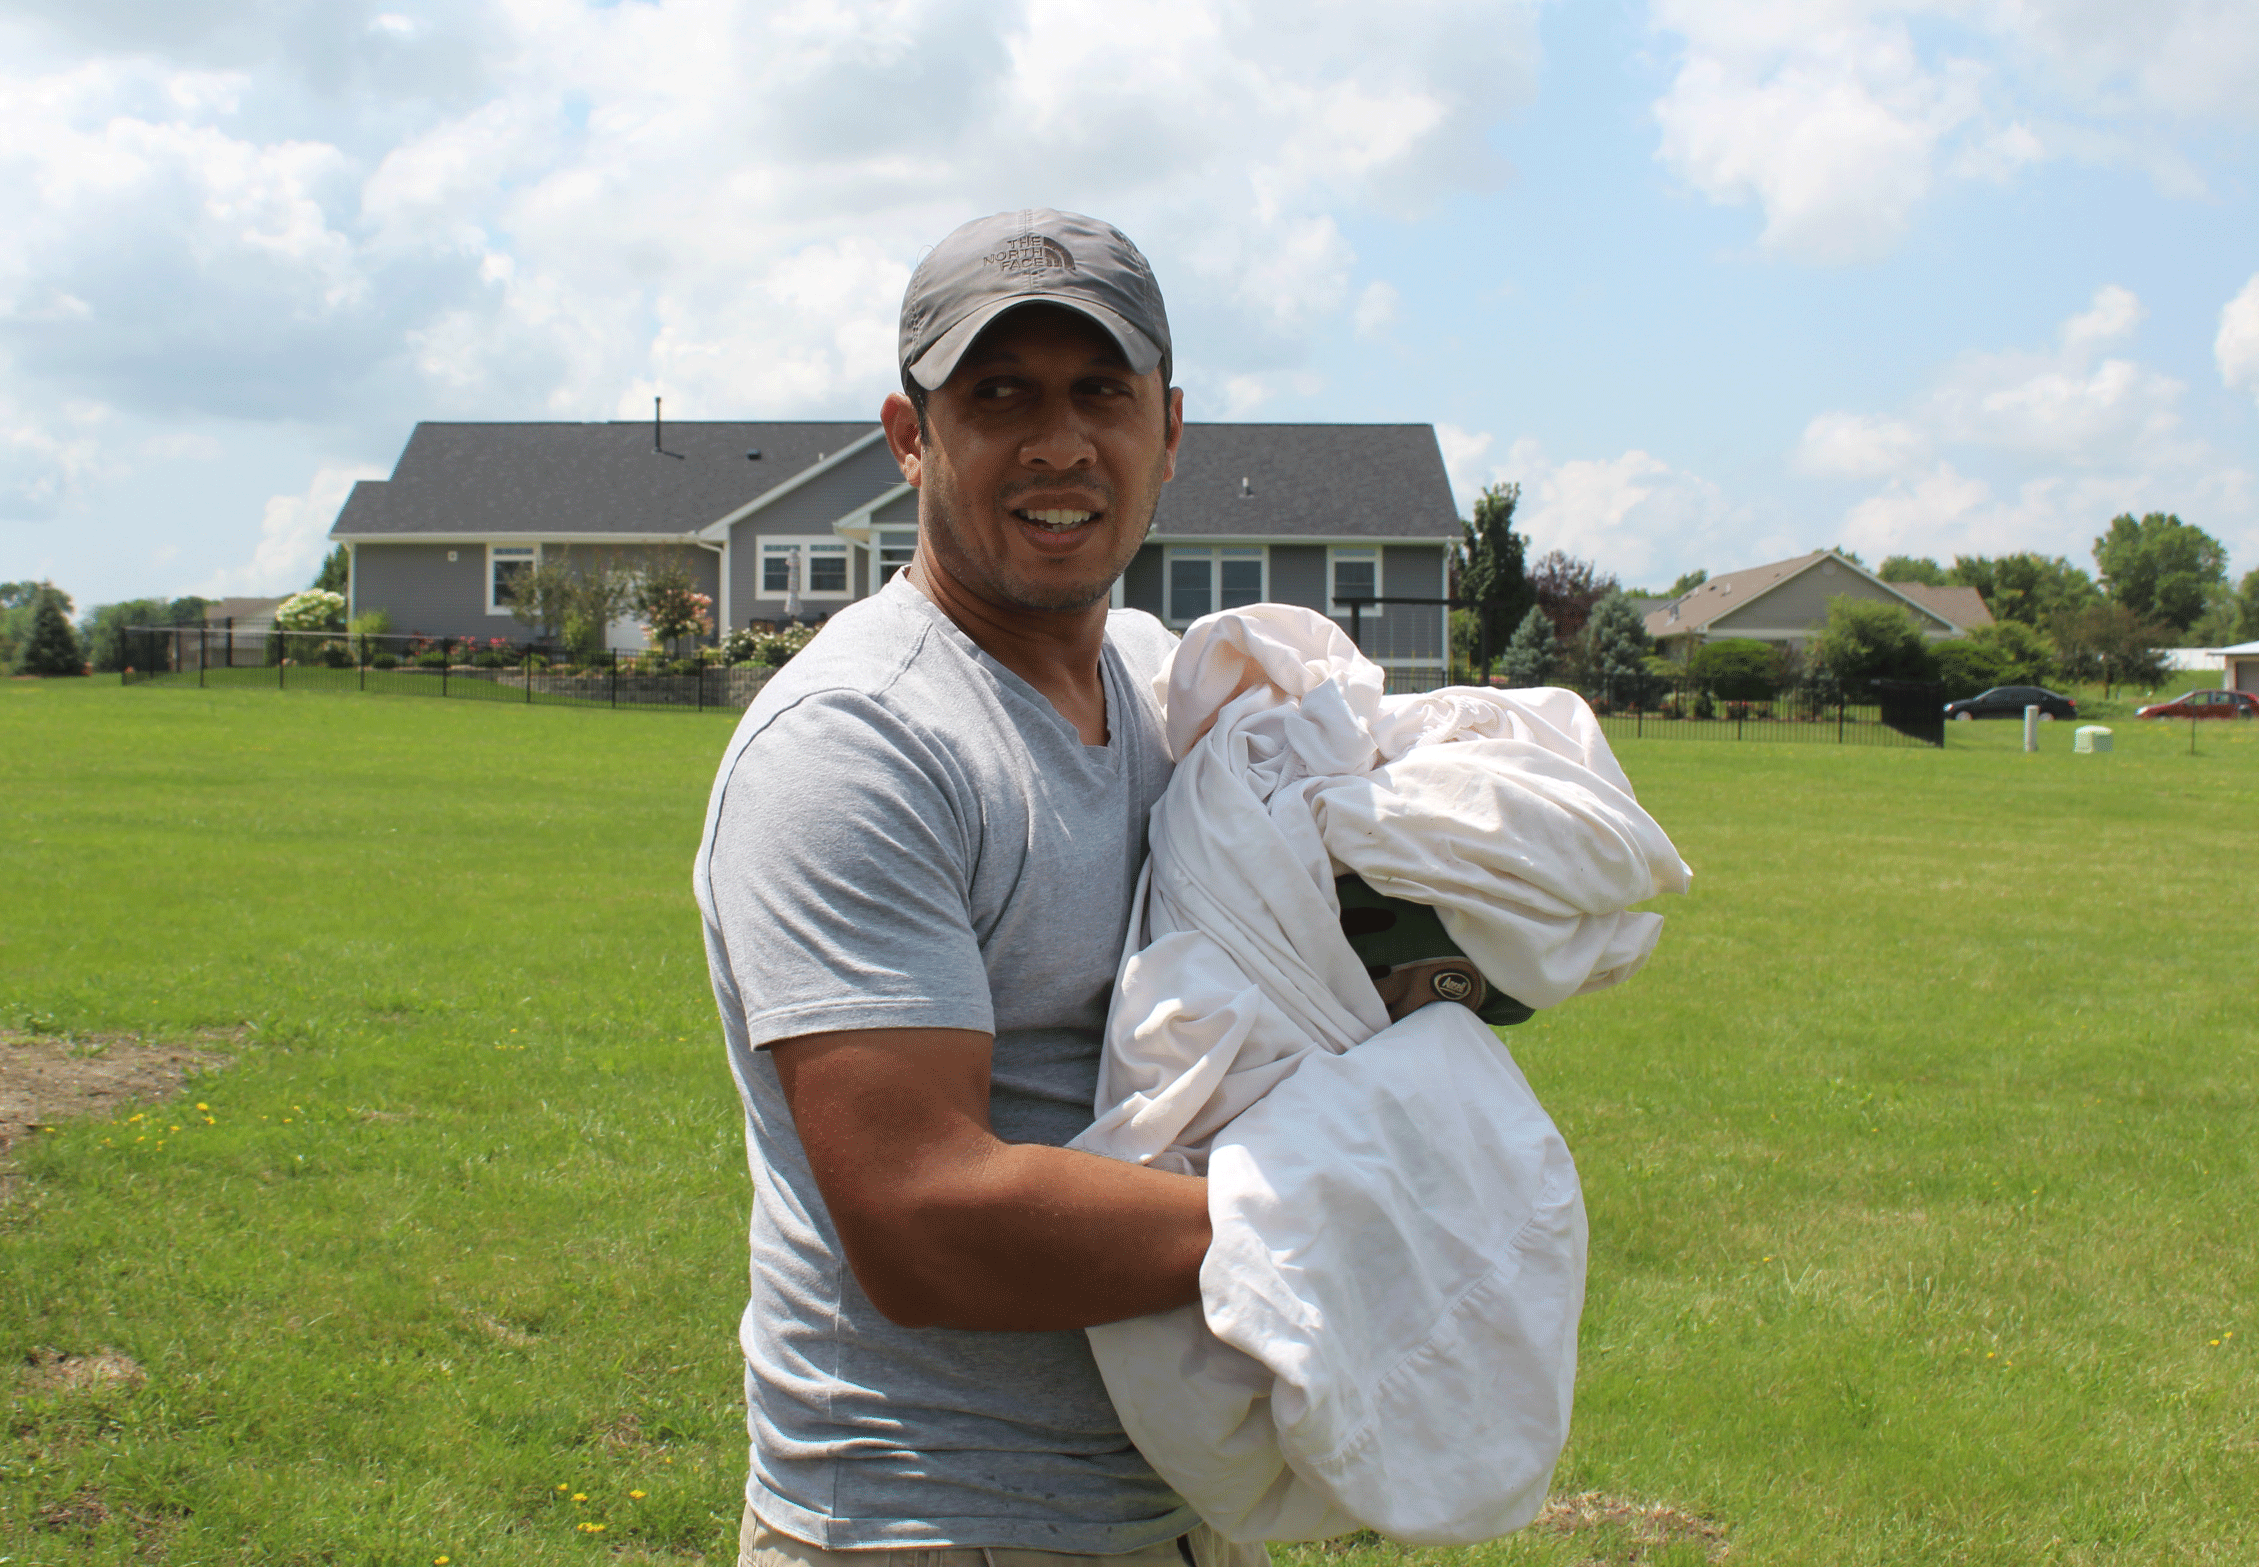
2204, 704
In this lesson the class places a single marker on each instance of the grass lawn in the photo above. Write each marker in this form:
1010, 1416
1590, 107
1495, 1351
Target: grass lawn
1919, 1160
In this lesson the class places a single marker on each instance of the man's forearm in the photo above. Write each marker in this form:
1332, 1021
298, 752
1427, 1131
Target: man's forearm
1033, 1237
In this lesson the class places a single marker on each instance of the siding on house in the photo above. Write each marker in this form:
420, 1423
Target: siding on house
807, 512
1408, 631
900, 512
1801, 605
1141, 580
1298, 575
428, 595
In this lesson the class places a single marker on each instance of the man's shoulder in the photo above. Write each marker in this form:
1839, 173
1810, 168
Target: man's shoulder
1143, 643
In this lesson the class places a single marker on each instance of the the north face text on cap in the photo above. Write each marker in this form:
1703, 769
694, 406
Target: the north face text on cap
1030, 255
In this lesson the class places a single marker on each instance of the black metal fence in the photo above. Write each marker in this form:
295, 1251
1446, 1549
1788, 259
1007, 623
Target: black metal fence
493, 669
1882, 712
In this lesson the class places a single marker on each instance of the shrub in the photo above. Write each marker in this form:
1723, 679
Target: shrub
316, 609
384, 661
1740, 669
773, 648
1966, 666
432, 658
1534, 653
371, 623
335, 655
1867, 639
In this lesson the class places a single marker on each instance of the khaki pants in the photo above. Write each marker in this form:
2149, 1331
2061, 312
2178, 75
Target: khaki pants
758, 1545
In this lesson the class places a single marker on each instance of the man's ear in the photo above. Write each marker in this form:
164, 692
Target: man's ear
903, 437
1176, 432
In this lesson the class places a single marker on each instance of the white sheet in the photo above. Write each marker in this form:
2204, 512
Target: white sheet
1387, 1329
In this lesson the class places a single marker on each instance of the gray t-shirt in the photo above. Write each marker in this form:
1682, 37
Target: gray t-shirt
905, 834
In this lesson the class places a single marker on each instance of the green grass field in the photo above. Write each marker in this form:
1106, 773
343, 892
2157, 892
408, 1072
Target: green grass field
1919, 1160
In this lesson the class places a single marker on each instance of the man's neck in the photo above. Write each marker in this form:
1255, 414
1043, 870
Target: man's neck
1055, 651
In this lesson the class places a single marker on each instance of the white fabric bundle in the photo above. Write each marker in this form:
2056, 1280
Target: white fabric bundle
1387, 1329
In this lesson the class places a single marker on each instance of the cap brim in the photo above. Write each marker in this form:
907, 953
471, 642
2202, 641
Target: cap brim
939, 362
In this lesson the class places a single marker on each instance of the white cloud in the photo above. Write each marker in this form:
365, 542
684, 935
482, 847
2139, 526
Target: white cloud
293, 535
1837, 118
1634, 515
1859, 446
2075, 435
2237, 346
1377, 309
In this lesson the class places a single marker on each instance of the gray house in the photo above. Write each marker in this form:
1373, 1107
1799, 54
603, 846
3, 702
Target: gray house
781, 515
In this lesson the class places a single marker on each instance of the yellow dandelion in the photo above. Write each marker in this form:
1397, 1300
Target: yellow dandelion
635, 1496
596, 1528
580, 1496
2229, 1334
564, 1488
202, 1106
665, 1459
1991, 1354
2215, 1343
439, 1561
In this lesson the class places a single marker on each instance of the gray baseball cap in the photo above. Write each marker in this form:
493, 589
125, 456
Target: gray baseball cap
1033, 256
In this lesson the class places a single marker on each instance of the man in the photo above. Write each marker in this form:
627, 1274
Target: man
916, 880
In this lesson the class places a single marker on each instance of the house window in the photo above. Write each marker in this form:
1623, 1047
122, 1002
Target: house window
1201, 581
813, 567
1356, 575
896, 549
505, 563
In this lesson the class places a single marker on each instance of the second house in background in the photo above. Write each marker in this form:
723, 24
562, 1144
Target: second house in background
784, 520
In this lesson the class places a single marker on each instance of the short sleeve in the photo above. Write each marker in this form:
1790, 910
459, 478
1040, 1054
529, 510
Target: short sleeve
840, 870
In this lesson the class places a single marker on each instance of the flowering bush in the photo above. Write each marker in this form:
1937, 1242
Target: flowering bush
669, 603
774, 648
316, 609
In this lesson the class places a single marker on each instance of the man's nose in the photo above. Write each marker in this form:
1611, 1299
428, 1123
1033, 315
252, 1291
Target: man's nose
1059, 443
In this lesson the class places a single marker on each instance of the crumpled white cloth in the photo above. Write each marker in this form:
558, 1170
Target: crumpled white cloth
1386, 1335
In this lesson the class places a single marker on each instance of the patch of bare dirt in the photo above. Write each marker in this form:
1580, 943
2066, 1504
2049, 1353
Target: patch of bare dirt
83, 1511
51, 1371
1636, 1530
46, 1079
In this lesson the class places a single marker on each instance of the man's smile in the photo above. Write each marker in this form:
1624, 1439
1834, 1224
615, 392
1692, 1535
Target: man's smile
1058, 519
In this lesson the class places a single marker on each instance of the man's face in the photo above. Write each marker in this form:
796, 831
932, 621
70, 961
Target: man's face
1041, 461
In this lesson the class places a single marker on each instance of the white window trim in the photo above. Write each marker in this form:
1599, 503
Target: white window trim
1379, 558
1215, 554
525, 552
882, 536
830, 543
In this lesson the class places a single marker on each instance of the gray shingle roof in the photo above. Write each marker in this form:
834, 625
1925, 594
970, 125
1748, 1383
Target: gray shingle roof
1321, 480
557, 478
1308, 480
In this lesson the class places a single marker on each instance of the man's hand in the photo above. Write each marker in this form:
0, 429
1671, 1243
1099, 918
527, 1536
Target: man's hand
946, 1226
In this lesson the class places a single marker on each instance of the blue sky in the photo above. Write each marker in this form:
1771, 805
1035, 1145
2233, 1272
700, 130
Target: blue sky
1715, 282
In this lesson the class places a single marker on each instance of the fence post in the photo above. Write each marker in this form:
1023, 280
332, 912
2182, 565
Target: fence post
1839, 720
446, 656
527, 663
282, 658
615, 652
702, 685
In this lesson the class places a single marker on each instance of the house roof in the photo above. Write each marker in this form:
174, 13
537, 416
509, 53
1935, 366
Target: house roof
1964, 607
1699, 606
224, 610
2240, 650
559, 479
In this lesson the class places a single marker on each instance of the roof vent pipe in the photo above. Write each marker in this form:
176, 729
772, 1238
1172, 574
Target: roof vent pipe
658, 442
754, 455
1246, 490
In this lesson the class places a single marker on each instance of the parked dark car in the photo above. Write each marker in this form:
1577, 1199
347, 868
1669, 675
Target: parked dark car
2010, 702
2204, 704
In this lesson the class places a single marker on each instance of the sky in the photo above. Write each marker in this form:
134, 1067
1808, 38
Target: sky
1715, 281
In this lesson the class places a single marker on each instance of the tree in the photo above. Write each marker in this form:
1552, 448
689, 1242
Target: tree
1738, 669
52, 647
2025, 656
103, 632
336, 573
556, 596
1867, 639
666, 596
2110, 643
1687, 583
1566, 589
1534, 653
1613, 650
19, 610
1966, 666
2247, 607
2160, 567
1491, 572
2033, 589
1913, 568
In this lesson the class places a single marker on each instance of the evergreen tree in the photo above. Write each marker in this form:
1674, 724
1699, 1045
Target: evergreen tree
337, 570
1534, 653
1492, 572
52, 648
1615, 649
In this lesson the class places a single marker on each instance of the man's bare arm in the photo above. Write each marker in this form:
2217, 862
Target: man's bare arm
946, 1226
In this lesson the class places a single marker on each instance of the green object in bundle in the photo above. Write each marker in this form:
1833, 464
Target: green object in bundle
1387, 933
